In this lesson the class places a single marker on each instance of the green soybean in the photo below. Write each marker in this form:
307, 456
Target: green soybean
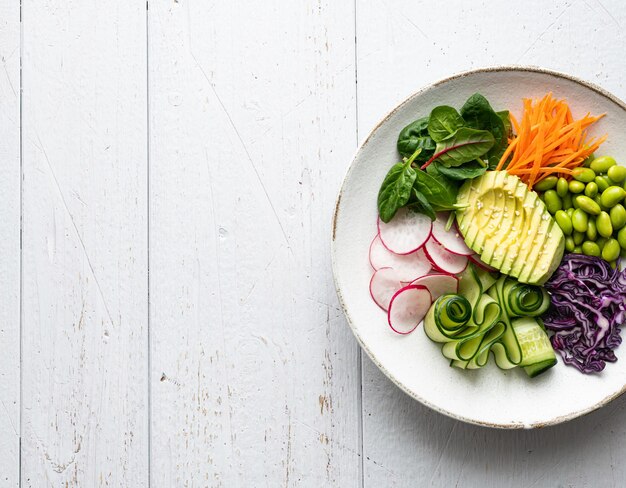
616, 173
618, 216
603, 224
591, 189
584, 174
601, 241
579, 237
546, 184
602, 183
553, 201
578, 250
576, 186
562, 187
569, 243
610, 251
580, 220
567, 201
612, 195
602, 164
598, 200
621, 238
592, 231
591, 248
570, 212
564, 221
587, 204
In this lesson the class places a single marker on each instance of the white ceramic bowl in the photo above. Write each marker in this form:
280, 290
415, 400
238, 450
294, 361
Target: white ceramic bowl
489, 396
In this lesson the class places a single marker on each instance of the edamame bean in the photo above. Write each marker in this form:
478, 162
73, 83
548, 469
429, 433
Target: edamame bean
562, 187
564, 222
617, 174
618, 216
603, 224
621, 237
602, 164
553, 201
598, 200
601, 182
579, 237
610, 251
587, 204
546, 184
576, 186
584, 174
570, 212
580, 220
601, 241
592, 232
567, 201
612, 195
578, 250
569, 243
588, 160
591, 248
591, 189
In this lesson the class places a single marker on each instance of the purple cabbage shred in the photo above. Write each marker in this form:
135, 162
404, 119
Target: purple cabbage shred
588, 307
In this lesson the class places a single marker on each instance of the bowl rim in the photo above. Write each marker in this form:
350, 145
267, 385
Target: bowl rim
490, 69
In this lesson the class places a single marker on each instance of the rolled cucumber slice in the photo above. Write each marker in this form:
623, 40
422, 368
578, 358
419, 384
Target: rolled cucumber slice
537, 353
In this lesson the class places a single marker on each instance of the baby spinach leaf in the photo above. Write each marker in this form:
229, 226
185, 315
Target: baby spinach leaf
415, 136
478, 114
466, 171
461, 147
506, 121
395, 190
439, 191
443, 121
419, 203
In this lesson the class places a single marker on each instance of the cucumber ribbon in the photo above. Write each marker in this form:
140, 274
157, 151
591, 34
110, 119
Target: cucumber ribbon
478, 319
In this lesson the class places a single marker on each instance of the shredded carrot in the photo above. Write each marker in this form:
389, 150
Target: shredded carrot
548, 141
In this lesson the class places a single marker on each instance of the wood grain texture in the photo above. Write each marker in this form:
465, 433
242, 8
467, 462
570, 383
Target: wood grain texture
85, 375
9, 244
406, 444
252, 124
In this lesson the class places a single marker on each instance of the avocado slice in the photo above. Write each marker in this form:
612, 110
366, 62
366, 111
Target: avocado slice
510, 227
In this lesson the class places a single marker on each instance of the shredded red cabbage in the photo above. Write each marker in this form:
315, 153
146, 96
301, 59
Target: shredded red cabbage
588, 307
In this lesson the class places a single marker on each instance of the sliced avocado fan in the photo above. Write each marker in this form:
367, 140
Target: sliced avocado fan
510, 227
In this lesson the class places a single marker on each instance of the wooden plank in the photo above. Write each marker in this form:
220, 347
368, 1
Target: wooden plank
252, 124
406, 444
85, 362
10, 244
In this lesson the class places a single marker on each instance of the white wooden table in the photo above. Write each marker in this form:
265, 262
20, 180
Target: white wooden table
168, 174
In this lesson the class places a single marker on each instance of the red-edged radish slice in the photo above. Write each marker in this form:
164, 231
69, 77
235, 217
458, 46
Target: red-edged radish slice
408, 307
475, 258
406, 233
451, 239
438, 284
383, 286
407, 266
444, 260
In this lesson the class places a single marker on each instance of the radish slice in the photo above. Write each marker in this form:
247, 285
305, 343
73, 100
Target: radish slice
451, 239
383, 286
438, 284
443, 260
407, 266
406, 233
408, 307
475, 258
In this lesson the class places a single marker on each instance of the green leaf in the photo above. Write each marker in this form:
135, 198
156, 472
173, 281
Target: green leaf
506, 121
466, 171
479, 115
438, 190
419, 203
463, 146
395, 190
443, 121
415, 136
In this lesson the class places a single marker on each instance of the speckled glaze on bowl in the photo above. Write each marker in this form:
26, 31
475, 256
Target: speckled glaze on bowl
489, 397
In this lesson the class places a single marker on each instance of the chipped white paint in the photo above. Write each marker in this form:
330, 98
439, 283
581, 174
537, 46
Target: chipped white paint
84, 333
255, 376
9, 243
